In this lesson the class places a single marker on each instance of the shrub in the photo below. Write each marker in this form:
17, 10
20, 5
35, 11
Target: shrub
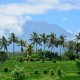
36, 72
18, 74
45, 71
52, 73
59, 72
78, 64
54, 61
3, 56
5, 69
78, 72
31, 60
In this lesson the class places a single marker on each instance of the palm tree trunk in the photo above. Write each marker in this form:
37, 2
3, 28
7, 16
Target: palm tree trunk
36, 47
60, 50
4, 49
21, 50
13, 48
44, 47
51, 53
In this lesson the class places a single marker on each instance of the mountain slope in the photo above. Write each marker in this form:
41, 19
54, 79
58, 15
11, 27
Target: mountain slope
43, 27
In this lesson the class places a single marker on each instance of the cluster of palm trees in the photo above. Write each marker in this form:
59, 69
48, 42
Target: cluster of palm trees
49, 41
4, 43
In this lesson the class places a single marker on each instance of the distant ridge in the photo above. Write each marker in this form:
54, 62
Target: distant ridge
44, 27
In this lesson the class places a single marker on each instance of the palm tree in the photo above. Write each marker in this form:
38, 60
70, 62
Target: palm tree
62, 39
35, 39
78, 44
29, 49
13, 39
4, 43
44, 39
21, 43
52, 39
77, 36
52, 42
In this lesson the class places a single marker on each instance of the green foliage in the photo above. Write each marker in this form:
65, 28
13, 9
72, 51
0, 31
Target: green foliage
45, 71
18, 74
51, 72
36, 72
5, 69
68, 55
20, 58
3, 56
59, 73
54, 60
78, 63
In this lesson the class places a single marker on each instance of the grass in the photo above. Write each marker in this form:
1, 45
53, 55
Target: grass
68, 69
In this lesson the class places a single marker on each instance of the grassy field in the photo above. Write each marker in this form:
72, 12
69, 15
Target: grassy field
68, 69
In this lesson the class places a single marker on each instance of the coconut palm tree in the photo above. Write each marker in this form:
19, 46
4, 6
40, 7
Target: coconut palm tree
78, 43
29, 49
52, 42
77, 36
4, 43
13, 39
21, 43
35, 39
62, 39
44, 39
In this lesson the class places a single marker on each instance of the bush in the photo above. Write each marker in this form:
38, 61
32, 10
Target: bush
18, 74
54, 61
36, 72
59, 72
3, 56
78, 64
45, 71
78, 72
51, 73
5, 69
31, 60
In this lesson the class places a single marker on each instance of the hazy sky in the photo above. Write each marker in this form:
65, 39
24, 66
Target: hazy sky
14, 13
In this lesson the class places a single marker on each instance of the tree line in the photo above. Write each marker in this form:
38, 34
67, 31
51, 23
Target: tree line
50, 41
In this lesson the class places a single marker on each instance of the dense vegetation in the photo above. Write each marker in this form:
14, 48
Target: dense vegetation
43, 63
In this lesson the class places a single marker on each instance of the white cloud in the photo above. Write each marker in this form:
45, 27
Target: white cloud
11, 15
11, 24
70, 31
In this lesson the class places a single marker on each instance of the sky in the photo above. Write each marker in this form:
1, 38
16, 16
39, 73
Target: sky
15, 13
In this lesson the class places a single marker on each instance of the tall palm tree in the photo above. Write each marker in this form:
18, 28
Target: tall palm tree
44, 39
35, 39
13, 39
52, 41
62, 39
4, 43
21, 43
77, 36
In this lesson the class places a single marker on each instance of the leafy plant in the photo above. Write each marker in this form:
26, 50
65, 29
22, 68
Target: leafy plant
45, 71
52, 73
18, 74
5, 69
78, 63
36, 72
59, 73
